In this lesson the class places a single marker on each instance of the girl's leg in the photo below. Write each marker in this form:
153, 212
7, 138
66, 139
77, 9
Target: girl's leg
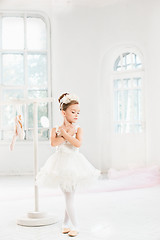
70, 209
66, 219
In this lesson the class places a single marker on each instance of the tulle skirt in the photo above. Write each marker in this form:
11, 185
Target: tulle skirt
68, 170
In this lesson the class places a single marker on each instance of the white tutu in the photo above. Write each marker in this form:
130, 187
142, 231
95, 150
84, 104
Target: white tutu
67, 168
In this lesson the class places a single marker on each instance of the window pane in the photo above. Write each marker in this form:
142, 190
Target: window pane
118, 105
128, 128
42, 107
12, 33
13, 71
37, 71
36, 34
6, 134
118, 128
7, 117
117, 65
43, 134
137, 82
136, 61
37, 93
126, 61
117, 83
129, 61
127, 82
137, 104
42, 111
138, 128
12, 93
9, 114
127, 105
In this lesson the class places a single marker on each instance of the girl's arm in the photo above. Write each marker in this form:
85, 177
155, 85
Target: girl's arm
56, 140
77, 142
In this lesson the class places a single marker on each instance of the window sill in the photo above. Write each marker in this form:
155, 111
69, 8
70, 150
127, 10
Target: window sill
24, 142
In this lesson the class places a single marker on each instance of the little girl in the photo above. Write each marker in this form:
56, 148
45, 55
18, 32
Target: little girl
67, 167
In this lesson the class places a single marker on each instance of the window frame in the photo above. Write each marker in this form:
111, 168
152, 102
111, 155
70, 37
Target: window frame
25, 51
130, 73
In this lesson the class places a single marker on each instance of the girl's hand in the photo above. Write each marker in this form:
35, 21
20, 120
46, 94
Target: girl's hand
71, 130
61, 132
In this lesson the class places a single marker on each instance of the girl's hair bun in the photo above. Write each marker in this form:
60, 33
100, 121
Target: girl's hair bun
64, 105
59, 99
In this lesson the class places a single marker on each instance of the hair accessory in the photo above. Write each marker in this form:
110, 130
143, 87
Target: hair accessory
68, 98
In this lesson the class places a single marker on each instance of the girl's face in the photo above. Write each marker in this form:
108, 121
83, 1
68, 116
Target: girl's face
72, 113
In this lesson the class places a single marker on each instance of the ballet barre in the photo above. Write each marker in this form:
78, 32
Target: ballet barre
35, 218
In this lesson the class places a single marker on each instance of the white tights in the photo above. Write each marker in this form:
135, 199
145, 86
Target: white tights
70, 210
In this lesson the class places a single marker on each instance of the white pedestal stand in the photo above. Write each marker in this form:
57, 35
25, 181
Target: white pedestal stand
36, 218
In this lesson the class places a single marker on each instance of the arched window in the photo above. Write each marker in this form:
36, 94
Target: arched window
127, 85
24, 69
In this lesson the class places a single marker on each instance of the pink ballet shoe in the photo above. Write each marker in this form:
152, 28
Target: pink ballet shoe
73, 233
66, 230
18, 131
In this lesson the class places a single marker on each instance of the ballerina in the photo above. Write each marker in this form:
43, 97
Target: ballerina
67, 167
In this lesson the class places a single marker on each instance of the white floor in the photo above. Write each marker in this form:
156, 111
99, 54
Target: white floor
116, 215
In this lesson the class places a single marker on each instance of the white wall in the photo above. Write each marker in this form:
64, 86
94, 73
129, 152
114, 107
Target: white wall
81, 38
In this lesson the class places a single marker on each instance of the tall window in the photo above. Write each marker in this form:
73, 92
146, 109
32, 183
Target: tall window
127, 85
24, 64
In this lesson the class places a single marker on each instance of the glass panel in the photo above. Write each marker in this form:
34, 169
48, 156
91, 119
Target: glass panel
37, 71
129, 61
9, 113
137, 82
127, 83
12, 94
117, 65
36, 34
137, 105
136, 61
118, 105
138, 128
37, 93
128, 128
8, 117
127, 105
43, 134
12, 69
7, 135
12, 33
118, 128
117, 83
42, 107
126, 61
